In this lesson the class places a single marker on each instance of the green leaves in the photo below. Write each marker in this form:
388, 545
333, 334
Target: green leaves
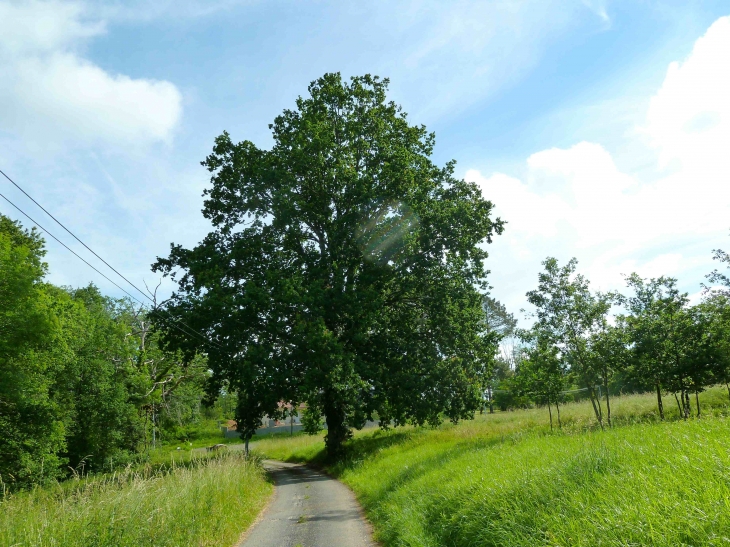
344, 266
32, 434
569, 316
78, 371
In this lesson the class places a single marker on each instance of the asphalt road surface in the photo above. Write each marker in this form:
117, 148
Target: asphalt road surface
309, 509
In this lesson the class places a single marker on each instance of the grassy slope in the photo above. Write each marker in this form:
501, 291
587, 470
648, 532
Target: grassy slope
505, 480
208, 502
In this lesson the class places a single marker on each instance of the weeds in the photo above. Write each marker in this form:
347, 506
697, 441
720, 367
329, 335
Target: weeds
204, 502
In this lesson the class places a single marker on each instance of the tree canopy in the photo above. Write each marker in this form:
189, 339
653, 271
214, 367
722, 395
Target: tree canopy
568, 314
345, 269
80, 373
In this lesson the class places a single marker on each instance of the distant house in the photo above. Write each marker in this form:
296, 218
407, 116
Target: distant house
269, 425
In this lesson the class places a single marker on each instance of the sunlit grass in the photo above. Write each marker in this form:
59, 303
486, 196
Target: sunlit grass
209, 501
505, 479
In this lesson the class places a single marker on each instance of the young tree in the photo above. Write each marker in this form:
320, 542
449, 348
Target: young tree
567, 315
609, 353
716, 309
250, 411
541, 371
500, 324
660, 329
311, 420
717, 306
344, 267
699, 355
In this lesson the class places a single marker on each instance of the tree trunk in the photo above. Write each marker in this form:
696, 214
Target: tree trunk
608, 401
557, 407
727, 385
337, 430
550, 412
679, 407
684, 403
154, 436
595, 409
697, 399
245, 446
660, 406
598, 404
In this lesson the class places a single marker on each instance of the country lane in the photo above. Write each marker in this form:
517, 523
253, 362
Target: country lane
309, 509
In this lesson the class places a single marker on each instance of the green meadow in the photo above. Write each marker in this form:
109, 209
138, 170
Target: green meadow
505, 479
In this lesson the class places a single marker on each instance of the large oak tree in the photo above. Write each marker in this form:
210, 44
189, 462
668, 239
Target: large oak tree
345, 269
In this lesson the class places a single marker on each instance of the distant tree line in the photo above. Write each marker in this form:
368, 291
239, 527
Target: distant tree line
84, 383
598, 344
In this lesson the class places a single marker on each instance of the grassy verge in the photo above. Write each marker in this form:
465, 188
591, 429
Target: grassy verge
504, 479
207, 502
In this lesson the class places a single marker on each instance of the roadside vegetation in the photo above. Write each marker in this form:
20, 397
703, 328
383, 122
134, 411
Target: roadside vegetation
506, 479
85, 384
209, 501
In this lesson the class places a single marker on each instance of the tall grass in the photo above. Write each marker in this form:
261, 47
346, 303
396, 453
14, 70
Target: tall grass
505, 479
209, 501
649, 484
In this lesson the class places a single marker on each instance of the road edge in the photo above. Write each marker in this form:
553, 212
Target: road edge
262, 511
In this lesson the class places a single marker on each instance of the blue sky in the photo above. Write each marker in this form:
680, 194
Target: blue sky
600, 129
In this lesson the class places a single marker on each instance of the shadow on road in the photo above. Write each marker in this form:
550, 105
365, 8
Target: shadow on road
294, 475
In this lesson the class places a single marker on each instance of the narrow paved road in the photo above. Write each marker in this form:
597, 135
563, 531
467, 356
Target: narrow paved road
309, 509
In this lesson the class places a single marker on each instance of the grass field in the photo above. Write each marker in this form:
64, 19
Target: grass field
207, 502
168, 452
505, 479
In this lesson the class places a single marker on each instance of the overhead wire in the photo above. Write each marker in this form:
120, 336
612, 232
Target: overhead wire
176, 320
99, 272
74, 236
68, 248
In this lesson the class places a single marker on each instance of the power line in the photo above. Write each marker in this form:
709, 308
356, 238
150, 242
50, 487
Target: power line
190, 329
97, 271
74, 236
84, 260
67, 247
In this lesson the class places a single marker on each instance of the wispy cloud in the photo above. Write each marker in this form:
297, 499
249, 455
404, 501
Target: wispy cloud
449, 56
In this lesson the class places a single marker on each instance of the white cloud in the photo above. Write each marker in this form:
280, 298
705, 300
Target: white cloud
689, 118
577, 202
50, 92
